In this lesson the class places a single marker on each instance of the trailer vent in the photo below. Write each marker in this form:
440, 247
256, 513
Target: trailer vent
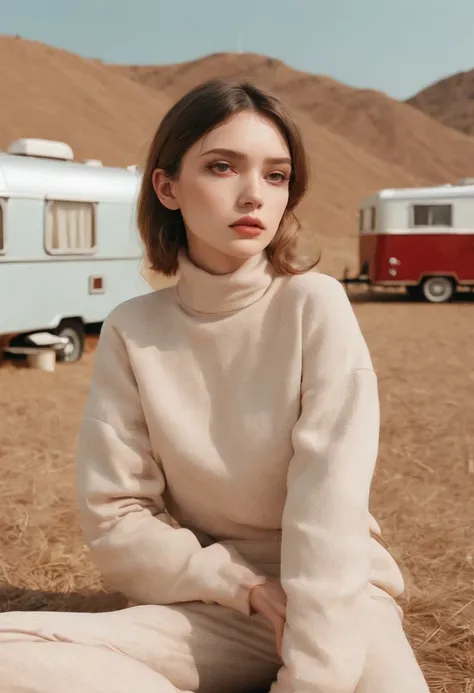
92, 162
465, 181
43, 149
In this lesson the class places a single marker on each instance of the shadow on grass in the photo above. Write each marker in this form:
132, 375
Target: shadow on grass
21, 599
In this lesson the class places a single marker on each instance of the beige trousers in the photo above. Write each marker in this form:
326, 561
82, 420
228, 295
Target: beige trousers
187, 647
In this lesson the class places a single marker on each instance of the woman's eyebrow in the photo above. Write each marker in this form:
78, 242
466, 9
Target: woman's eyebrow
240, 155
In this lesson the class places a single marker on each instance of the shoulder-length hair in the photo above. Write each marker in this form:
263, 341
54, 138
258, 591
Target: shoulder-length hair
203, 108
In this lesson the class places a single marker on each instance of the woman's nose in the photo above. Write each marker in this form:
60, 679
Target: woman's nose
251, 193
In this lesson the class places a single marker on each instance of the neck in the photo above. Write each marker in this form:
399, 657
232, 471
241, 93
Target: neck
205, 292
213, 261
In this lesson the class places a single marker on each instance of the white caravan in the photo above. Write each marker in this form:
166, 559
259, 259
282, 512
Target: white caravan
69, 246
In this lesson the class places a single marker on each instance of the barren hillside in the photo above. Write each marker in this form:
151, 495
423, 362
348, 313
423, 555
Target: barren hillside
358, 141
451, 101
103, 114
391, 130
47, 92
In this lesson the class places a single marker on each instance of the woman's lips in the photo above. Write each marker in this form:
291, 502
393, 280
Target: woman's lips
247, 231
248, 227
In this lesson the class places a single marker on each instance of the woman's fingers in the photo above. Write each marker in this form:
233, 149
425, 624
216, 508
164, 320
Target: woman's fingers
280, 608
279, 630
269, 600
278, 624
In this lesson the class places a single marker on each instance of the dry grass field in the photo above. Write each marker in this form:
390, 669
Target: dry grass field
423, 491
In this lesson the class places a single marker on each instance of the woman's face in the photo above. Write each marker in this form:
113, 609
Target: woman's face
232, 191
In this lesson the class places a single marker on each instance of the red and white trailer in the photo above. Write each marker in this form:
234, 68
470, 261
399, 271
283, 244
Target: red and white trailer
418, 238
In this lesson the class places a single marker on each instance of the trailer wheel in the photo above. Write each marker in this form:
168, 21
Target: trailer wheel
438, 289
73, 330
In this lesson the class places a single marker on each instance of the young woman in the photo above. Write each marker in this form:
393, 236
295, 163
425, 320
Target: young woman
228, 446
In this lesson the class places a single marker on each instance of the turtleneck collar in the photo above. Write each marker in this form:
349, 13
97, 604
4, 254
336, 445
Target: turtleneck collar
213, 294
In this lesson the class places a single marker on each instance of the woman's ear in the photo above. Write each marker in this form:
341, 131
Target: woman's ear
163, 186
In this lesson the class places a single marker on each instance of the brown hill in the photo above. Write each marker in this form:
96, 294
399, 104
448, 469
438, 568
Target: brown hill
392, 131
50, 93
451, 101
104, 114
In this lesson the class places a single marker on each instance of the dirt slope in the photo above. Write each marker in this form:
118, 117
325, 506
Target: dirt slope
391, 130
50, 93
451, 101
104, 114
358, 141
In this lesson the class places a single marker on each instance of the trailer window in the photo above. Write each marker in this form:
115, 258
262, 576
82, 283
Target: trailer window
2, 227
432, 215
372, 218
70, 227
367, 219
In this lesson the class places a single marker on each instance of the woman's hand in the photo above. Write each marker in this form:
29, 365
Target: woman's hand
269, 600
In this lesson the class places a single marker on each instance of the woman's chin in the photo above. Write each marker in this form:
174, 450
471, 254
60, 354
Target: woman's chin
247, 247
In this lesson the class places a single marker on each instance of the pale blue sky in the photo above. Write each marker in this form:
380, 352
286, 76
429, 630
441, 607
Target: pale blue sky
396, 46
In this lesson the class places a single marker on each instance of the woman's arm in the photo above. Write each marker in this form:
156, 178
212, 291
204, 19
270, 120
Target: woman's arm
326, 541
123, 517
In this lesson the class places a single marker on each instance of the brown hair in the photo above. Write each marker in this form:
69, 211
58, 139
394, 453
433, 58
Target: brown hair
192, 117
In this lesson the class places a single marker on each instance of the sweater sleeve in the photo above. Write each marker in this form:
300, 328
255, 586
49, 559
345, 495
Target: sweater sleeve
326, 540
120, 496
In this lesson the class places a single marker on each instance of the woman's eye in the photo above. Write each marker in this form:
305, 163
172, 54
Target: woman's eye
278, 177
220, 167
224, 167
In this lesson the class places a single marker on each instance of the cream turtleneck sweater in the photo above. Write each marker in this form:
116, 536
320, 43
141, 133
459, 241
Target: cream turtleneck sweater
246, 407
